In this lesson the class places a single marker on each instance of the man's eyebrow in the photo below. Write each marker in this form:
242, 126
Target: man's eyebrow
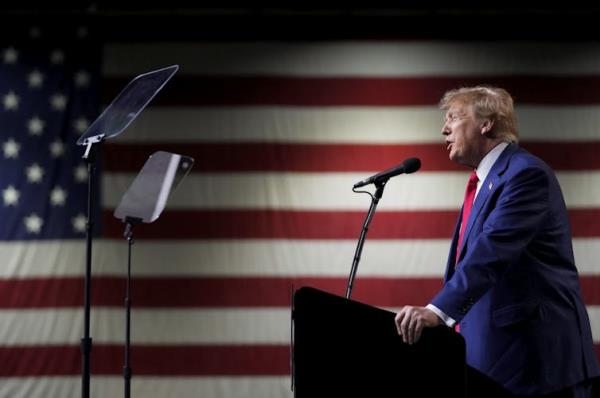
455, 113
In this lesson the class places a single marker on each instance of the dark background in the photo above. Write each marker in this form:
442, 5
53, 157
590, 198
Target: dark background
466, 20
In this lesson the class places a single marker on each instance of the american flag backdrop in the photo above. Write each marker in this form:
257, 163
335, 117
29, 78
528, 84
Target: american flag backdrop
280, 132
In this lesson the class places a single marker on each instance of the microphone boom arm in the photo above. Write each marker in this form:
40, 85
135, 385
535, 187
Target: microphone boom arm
363, 234
409, 166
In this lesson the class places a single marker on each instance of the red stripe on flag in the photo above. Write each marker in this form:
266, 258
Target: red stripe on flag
287, 224
284, 157
360, 91
326, 224
209, 292
585, 223
198, 292
590, 289
222, 157
570, 156
182, 360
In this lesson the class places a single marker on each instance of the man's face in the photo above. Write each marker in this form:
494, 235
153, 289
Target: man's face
464, 135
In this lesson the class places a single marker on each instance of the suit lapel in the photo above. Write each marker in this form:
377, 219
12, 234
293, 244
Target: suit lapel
488, 186
452, 255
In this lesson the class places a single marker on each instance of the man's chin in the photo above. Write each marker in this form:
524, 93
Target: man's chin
456, 158
453, 156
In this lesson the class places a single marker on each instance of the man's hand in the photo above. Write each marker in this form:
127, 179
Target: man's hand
410, 321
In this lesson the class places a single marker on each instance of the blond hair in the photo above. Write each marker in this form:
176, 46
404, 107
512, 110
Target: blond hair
490, 103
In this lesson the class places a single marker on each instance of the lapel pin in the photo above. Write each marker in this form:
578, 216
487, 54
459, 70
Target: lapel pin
491, 185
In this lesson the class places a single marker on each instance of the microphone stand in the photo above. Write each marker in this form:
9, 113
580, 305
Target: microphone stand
361, 241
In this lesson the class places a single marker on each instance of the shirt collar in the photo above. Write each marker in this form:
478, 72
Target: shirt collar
488, 161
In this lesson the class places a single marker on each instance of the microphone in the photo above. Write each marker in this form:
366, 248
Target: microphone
410, 165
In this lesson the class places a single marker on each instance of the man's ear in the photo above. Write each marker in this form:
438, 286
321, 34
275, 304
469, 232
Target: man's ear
486, 126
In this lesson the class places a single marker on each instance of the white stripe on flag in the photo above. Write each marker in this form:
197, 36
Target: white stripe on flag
350, 125
144, 386
328, 191
247, 258
337, 59
227, 258
594, 314
154, 326
158, 326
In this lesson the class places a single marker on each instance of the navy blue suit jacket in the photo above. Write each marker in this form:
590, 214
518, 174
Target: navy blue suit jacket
515, 290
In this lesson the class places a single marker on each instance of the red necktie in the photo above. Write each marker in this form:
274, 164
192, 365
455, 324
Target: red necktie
467, 205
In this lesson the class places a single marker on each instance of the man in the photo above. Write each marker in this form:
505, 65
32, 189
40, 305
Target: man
511, 286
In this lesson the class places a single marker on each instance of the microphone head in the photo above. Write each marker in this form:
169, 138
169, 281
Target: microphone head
411, 165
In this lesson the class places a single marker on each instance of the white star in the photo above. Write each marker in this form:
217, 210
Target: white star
35, 125
58, 196
57, 57
58, 102
11, 196
10, 56
33, 223
82, 79
57, 148
34, 173
35, 79
11, 101
79, 222
11, 149
81, 124
81, 173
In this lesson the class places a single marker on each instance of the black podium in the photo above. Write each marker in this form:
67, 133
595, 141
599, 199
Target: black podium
344, 348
